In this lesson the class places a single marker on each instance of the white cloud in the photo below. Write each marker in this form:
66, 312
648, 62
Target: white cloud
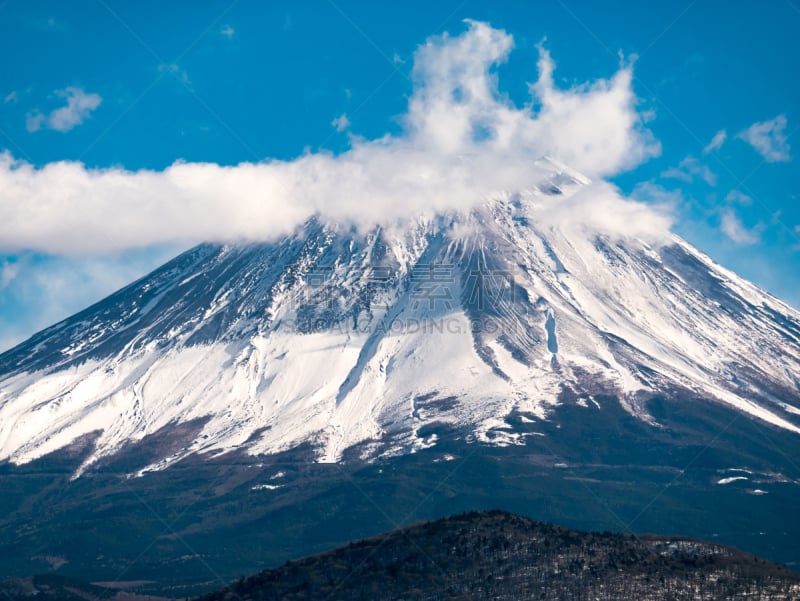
734, 196
78, 108
688, 169
769, 139
227, 32
341, 122
456, 108
734, 229
716, 142
462, 140
599, 208
12, 96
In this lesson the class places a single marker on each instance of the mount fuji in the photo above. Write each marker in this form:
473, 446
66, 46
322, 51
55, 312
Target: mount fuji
590, 378
338, 337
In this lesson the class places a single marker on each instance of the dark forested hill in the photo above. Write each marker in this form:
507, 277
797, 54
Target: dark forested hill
497, 555
484, 555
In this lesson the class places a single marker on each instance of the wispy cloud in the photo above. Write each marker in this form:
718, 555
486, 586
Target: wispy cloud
732, 226
341, 122
34, 121
769, 139
656, 195
462, 140
737, 197
12, 96
176, 71
689, 169
716, 142
79, 107
8, 271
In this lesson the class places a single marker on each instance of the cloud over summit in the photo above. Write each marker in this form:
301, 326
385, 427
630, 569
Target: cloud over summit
462, 140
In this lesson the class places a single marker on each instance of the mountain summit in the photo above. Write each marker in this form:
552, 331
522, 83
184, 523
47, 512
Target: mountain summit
389, 338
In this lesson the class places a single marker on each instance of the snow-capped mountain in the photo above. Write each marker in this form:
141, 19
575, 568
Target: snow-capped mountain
340, 337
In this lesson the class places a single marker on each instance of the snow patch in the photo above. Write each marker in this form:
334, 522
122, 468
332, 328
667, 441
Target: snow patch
731, 479
266, 487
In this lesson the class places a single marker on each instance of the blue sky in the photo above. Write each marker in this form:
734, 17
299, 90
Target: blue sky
142, 85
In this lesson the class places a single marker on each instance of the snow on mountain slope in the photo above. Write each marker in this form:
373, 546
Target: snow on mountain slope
339, 337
